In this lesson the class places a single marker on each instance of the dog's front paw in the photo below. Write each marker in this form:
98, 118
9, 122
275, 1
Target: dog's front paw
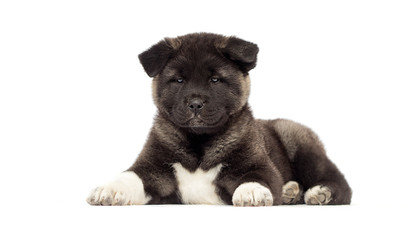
252, 194
113, 195
108, 196
127, 189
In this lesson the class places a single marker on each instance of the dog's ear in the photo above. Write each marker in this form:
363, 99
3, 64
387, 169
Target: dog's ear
241, 52
155, 58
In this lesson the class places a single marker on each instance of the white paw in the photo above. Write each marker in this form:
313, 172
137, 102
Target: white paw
126, 189
252, 194
318, 195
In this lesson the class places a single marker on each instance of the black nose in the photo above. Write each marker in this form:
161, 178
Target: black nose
196, 106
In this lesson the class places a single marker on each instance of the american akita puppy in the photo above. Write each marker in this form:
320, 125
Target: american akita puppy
205, 147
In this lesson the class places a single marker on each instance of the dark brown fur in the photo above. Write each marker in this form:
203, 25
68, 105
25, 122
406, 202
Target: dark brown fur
268, 152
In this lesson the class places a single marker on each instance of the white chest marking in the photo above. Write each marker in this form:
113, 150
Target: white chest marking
197, 187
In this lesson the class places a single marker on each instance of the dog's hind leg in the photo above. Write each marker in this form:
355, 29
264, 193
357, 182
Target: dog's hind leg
312, 169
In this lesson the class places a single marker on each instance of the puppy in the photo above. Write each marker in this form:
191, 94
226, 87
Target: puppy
205, 147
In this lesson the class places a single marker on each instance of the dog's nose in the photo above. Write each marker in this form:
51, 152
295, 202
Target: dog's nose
196, 105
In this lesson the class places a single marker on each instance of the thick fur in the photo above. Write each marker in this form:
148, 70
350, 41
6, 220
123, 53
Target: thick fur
204, 127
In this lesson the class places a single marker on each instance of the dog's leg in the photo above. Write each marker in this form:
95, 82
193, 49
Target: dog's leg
311, 166
325, 183
150, 180
126, 189
246, 184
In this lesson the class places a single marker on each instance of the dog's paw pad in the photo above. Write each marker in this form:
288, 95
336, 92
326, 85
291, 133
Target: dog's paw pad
291, 193
252, 194
318, 195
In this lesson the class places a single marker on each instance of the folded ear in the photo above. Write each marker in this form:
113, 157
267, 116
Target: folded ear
241, 52
155, 58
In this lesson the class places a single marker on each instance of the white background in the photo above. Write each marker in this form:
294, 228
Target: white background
76, 108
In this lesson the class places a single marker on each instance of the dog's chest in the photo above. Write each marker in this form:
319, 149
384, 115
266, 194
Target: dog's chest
197, 187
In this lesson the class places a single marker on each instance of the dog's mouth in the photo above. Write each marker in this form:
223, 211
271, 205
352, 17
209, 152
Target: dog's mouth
209, 120
201, 121
197, 125
198, 121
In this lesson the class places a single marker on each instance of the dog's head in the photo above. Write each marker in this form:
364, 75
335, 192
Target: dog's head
200, 80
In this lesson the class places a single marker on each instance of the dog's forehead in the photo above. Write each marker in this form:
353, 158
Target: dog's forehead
199, 61
200, 48
199, 54
202, 65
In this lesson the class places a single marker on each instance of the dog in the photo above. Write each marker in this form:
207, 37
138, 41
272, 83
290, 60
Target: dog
205, 146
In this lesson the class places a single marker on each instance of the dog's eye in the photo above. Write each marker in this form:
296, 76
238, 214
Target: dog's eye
179, 80
214, 79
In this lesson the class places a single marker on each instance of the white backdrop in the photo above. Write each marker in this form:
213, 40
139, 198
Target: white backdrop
71, 88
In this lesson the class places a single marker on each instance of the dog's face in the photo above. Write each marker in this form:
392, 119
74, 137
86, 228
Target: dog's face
200, 80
